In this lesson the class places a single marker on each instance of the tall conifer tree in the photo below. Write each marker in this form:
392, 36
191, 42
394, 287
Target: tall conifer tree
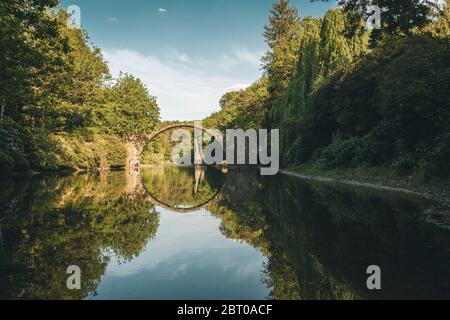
282, 37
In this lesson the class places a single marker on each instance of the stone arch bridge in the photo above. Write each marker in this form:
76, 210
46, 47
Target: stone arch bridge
136, 149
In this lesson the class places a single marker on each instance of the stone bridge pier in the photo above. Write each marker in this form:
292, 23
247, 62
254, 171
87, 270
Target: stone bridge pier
135, 151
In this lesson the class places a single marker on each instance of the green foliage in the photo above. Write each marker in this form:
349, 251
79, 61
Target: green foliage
29, 41
116, 153
73, 92
390, 108
399, 17
441, 26
55, 93
347, 106
128, 110
22, 148
159, 151
282, 37
70, 152
324, 49
307, 74
242, 109
12, 150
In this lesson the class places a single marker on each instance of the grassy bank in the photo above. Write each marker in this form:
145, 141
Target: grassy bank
436, 189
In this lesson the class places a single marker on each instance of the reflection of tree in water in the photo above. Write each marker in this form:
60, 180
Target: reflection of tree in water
344, 230
51, 223
319, 239
182, 187
243, 218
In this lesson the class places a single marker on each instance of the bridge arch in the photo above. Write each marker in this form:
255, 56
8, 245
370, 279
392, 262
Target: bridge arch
152, 199
154, 134
190, 125
136, 148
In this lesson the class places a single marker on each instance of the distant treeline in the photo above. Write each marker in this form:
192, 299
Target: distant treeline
343, 96
60, 107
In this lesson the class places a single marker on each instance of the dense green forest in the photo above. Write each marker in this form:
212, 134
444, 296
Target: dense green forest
60, 107
342, 96
346, 97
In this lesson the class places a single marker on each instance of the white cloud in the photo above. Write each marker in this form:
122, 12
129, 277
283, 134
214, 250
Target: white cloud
226, 61
244, 55
238, 56
186, 89
180, 56
162, 10
113, 19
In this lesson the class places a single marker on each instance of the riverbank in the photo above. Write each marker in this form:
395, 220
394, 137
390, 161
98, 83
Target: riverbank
377, 178
42, 152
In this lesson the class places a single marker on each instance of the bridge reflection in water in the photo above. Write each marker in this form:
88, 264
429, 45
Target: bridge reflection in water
182, 189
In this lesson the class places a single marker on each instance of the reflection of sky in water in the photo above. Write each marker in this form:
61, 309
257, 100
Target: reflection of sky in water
188, 259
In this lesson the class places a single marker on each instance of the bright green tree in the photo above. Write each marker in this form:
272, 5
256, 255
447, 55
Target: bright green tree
241, 109
129, 111
307, 72
74, 91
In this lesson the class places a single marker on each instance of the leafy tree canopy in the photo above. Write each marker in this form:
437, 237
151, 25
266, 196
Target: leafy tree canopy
399, 17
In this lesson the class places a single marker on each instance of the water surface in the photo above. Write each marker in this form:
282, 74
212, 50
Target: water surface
185, 233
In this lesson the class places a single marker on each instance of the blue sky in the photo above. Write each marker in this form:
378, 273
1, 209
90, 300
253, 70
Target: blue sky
188, 52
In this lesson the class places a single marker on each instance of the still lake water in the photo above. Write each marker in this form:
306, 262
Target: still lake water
185, 233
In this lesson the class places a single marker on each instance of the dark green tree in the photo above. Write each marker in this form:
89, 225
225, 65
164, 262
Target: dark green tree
241, 109
28, 40
55, 97
282, 36
324, 49
399, 17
